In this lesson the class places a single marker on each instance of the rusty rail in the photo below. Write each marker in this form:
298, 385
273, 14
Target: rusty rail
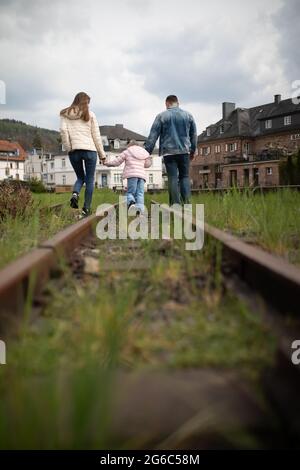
53, 208
274, 278
28, 274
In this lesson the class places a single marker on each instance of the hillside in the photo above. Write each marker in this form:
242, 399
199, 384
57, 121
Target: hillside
29, 136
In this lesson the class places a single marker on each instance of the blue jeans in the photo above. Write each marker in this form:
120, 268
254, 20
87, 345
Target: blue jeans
177, 167
85, 173
135, 192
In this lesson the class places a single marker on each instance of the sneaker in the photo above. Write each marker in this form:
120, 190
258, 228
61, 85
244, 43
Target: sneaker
131, 209
74, 201
85, 212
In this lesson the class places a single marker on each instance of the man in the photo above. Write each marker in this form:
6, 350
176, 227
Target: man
177, 134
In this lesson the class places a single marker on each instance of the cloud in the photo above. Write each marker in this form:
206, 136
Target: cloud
287, 22
129, 54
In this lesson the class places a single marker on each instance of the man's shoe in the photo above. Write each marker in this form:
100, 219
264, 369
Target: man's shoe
85, 212
74, 201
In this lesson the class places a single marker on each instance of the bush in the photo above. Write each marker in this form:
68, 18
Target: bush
289, 170
15, 198
36, 186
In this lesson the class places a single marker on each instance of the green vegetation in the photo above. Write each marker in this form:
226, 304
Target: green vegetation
57, 391
29, 136
58, 387
290, 169
36, 186
20, 234
271, 220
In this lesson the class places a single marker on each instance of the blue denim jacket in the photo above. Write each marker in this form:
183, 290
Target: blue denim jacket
176, 130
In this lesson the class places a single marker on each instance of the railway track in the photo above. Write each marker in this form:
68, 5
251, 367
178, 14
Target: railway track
242, 265
254, 190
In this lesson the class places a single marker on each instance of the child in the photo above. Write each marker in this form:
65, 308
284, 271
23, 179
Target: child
136, 159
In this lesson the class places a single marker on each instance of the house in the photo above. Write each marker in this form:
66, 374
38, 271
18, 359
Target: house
115, 140
57, 171
36, 165
12, 160
245, 147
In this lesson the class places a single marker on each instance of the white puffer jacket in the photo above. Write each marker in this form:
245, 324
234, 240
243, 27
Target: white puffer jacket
77, 134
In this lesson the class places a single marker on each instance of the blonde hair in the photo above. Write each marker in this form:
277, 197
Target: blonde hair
131, 143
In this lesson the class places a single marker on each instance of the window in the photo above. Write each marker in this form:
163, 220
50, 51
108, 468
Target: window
118, 178
116, 144
208, 132
17, 176
63, 163
150, 178
52, 165
11, 165
226, 147
217, 148
269, 170
63, 179
247, 147
7, 171
287, 120
268, 124
17, 165
233, 147
222, 129
201, 151
206, 150
51, 177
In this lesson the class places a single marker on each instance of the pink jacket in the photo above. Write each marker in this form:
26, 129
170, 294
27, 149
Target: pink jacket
136, 160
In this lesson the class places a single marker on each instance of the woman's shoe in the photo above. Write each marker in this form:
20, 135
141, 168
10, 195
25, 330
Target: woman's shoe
74, 201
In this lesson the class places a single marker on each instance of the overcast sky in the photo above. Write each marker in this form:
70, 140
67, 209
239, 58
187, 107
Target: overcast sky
129, 54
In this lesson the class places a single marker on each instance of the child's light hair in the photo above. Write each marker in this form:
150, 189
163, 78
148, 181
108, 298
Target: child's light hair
131, 143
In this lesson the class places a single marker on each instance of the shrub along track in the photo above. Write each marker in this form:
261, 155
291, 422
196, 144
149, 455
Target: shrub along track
189, 355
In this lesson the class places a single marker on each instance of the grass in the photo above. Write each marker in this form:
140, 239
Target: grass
271, 220
57, 387
21, 234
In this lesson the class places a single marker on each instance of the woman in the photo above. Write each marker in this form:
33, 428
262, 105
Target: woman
81, 138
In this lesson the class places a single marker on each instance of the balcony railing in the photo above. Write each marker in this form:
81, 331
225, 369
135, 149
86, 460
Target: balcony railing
259, 157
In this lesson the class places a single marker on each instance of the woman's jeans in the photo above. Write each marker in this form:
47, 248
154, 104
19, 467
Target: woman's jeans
135, 192
177, 167
85, 172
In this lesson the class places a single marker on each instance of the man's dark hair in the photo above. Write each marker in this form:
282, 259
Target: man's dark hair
172, 99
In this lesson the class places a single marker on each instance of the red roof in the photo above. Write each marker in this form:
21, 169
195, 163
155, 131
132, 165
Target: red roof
6, 146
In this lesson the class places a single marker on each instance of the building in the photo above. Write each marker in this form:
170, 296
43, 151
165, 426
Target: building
245, 147
59, 171
115, 140
36, 165
12, 160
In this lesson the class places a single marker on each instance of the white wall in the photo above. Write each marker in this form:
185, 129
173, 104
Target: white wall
15, 168
33, 166
112, 175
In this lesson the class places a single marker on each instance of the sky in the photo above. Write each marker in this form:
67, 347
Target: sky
128, 55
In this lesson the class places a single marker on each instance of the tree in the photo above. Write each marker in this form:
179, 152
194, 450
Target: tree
37, 141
